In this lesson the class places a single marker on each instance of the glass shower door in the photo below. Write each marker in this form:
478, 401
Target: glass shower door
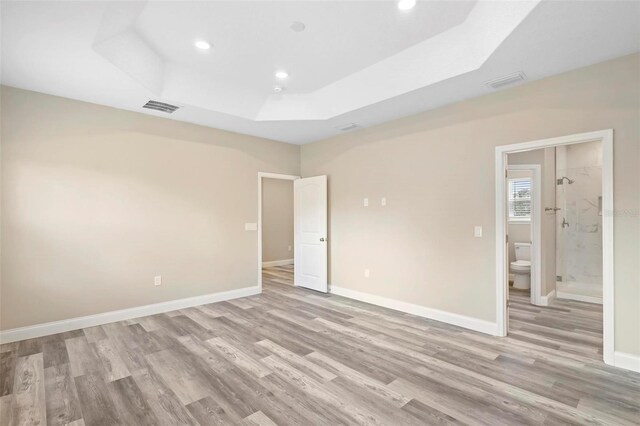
579, 233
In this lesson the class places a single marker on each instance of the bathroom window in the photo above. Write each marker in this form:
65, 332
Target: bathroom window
520, 200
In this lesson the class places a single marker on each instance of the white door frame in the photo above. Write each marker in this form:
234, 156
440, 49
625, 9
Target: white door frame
606, 137
536, 233
262, 175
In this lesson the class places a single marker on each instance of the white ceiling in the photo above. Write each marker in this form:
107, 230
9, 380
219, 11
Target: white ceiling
357, 61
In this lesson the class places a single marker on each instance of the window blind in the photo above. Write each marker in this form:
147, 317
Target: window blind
520, 199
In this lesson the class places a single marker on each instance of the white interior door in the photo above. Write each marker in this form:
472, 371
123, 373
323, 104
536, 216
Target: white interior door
310, 232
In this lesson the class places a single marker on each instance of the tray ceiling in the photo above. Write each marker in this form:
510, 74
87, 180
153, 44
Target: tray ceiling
355, 61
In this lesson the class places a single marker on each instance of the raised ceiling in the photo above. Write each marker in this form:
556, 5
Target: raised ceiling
356, 61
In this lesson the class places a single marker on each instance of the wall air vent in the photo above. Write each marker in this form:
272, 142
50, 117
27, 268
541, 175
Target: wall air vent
516, 77
347, 127
160, 106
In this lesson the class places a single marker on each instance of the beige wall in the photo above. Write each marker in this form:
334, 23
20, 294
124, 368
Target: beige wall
546, 158
97, 201
277, 219
434, 165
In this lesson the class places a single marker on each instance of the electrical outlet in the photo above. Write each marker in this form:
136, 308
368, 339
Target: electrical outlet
157, 280
366, 273
366, 202
383, 201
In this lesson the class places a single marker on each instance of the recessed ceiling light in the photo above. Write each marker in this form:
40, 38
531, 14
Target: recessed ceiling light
203, 45
406, 4
297, 26
282, 75
278, 89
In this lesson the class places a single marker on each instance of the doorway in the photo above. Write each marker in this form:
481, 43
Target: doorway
524, 200
275, 229
288, 202
557, 210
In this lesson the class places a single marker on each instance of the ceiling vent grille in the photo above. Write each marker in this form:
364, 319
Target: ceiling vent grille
347, 127
161, 106
516, 77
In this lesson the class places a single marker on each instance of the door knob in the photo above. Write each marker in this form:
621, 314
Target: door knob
322, 239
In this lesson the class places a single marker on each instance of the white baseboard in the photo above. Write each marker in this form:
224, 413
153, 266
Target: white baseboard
55, 327
578, 297
277, 263
422, 311
626, 361
546, 300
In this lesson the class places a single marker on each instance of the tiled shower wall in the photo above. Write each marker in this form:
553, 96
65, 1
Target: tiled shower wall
579, 222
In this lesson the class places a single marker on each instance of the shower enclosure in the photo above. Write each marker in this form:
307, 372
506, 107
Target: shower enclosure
579, 222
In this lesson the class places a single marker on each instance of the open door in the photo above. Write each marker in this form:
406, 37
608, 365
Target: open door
310, 233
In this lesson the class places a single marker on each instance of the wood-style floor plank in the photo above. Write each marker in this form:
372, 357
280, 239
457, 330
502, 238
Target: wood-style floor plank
290, 356
114, 367
82, 357
162, 400
207, 411
6, 410
7, 369
95, 401
257, 419
29, 404
130, 403
63, 404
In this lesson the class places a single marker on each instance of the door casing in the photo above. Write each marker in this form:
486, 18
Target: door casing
606, 138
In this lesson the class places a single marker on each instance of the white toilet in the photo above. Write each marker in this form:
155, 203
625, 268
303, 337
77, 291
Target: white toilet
521, 267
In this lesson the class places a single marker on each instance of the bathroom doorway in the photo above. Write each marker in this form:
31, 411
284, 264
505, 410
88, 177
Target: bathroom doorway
571, 302
524, 197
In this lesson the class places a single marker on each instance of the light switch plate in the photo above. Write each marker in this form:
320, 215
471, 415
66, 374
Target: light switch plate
250, 226
383, 201
477, 231
157, 280
366, 202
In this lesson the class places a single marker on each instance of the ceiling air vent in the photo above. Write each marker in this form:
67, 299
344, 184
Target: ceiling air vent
516, 77
160, 106
347, 127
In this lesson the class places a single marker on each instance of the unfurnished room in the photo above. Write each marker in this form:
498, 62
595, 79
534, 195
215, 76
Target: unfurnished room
313, 212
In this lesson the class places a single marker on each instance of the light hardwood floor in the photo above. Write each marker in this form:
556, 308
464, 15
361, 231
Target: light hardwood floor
291, 356
278, 275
